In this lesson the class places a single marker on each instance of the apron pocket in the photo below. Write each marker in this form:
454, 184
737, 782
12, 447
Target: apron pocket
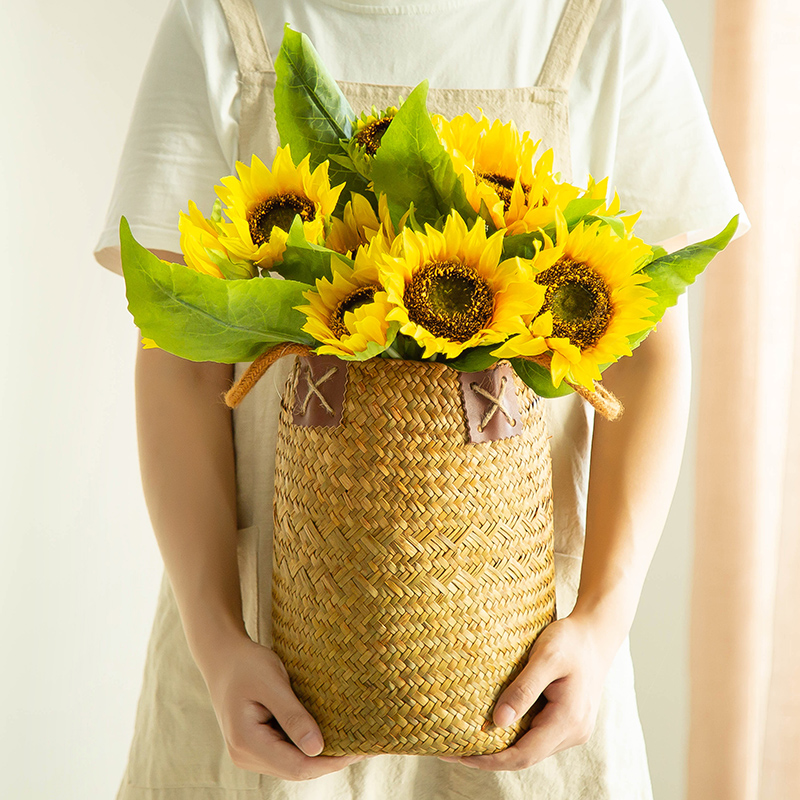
177, 741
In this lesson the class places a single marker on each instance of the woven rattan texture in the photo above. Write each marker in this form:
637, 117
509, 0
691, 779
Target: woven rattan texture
412, 569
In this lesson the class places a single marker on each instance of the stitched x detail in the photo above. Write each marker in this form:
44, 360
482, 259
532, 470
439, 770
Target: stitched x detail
313, 389
496, 404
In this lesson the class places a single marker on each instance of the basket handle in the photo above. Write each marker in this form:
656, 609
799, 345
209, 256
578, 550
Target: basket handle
604, 401
248, 380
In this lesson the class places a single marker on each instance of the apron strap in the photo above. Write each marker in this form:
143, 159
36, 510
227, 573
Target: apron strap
568, 43
247, 34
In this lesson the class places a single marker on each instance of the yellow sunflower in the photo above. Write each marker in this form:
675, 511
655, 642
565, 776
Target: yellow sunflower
263, 203
371, 127
493, 160
202, 249
198, 235
461, 134
450, 291
612, 209
593, 301
368, 134
503, 169
498, 166
537, 207
348, 315
359, 224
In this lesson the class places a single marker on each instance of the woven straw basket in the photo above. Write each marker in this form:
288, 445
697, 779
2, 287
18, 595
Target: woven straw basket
413, 567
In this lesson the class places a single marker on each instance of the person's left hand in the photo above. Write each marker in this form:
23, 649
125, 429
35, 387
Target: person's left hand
568, 663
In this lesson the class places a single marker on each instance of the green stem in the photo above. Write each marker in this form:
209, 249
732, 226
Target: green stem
390, 352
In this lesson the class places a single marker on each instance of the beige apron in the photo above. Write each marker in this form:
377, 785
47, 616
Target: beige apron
178, 752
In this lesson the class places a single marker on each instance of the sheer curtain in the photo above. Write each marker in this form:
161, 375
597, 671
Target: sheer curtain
744, 741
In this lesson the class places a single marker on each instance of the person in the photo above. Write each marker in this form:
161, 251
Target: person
608, 85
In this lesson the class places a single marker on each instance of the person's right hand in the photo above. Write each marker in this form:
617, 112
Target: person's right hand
266, 728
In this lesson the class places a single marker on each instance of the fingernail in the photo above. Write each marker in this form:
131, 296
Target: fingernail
457, 760
504, 716
311, 744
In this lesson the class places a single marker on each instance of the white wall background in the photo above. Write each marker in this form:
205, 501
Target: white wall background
80, 567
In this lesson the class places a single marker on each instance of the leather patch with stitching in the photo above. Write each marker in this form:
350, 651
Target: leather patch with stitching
490, 404
319, 393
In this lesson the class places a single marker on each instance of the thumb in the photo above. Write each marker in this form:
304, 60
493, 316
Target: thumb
540, 671
295, 720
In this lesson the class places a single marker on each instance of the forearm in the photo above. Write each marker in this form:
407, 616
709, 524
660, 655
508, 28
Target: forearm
634, 470
187, 466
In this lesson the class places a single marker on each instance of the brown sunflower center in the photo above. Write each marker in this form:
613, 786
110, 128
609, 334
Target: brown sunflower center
579, 299
501, 185
449, 299
370, 135
278, 211
354, 300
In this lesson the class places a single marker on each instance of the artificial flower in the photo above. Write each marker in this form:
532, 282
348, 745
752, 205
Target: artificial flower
262, 204
359, 224
498, 168
451, 291
348, 315
594, 300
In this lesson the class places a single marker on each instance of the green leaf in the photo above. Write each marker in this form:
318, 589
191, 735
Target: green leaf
202, 318
412, 166
538, 378
304, 261
475, 359
232, 270
521, 245
615, 223
407, 348
411, 220
578, 209
672, 273
486, 216
343, 160
311, 113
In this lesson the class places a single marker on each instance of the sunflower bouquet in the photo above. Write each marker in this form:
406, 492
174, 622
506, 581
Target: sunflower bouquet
438, 279
401, 234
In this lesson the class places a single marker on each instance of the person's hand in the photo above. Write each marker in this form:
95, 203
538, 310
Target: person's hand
568, 663
265, 727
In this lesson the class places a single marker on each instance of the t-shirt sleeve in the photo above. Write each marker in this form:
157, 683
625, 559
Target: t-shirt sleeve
668, 162
172, 151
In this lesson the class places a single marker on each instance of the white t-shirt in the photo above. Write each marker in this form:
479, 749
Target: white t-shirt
636, 111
